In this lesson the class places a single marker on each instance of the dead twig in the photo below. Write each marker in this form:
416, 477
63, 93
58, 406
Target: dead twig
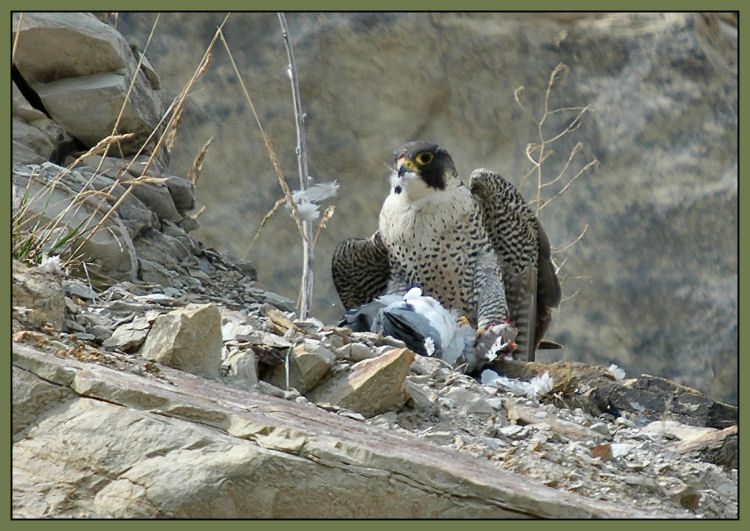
306, 286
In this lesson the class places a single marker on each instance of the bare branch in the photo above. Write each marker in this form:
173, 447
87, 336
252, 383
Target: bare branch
571, 244
573, 152
591, 163
306, 287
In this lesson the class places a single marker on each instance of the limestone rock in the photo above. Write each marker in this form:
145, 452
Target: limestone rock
356, 352
70, 101
108, 253
54, 46
370, 386
182, 191
189, 339
34, 130
181, 446
34, 139
40, 293
309, 363
82, 69
31, 396
643, 399
720, 447
242, 368
518, 413
129, 337
158, 199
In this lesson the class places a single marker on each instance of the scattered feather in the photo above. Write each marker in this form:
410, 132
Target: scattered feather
538, 385
316, 193
616, 371
542, 384
307, 200
429, 346
51, 264
308, 211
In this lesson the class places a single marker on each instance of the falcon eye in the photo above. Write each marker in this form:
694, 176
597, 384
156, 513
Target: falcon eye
424, 158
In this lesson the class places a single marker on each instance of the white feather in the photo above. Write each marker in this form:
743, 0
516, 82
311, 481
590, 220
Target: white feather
308, 211
316, 193
616, 371
307, 200
538, 385
51, 264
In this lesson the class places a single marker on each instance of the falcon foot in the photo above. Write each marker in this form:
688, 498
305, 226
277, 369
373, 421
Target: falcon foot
496, 339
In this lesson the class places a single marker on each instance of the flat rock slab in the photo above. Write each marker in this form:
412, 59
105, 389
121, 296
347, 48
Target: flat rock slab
188, 447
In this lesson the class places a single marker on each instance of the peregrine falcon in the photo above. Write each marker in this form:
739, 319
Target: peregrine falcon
479, 250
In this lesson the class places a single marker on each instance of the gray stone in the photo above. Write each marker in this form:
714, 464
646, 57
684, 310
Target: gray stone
109, 253
31, 396
33, 139
41, 293
21, 107
188, 339
309, 363
182, 191
356, 352
128, 337
23, 154
59, 45
157, 198
70, 100
371, 386
242, 368
75, 288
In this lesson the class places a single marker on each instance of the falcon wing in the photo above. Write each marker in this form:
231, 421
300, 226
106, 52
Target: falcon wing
361, 270
523, 250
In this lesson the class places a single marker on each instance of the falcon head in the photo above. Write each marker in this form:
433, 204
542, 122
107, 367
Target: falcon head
427, 162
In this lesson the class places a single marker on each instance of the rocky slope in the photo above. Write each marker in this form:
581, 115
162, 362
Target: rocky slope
161, 381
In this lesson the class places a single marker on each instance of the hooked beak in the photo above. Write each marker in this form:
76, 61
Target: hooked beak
403, 164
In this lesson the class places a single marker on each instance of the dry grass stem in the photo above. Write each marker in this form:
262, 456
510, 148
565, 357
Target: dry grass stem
16, 39
263, 222
197, 168
327, 214
172, 134
267, 141
538, 153
590, 164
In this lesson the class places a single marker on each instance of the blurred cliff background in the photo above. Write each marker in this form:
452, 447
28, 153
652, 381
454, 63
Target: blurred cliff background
651, 285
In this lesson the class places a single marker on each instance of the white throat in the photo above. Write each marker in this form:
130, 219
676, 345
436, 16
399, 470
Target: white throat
415, 210
414, 193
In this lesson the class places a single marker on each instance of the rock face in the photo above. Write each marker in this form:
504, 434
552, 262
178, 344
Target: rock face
70, 83
153, 379
123, 215
175, 446
661, 210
